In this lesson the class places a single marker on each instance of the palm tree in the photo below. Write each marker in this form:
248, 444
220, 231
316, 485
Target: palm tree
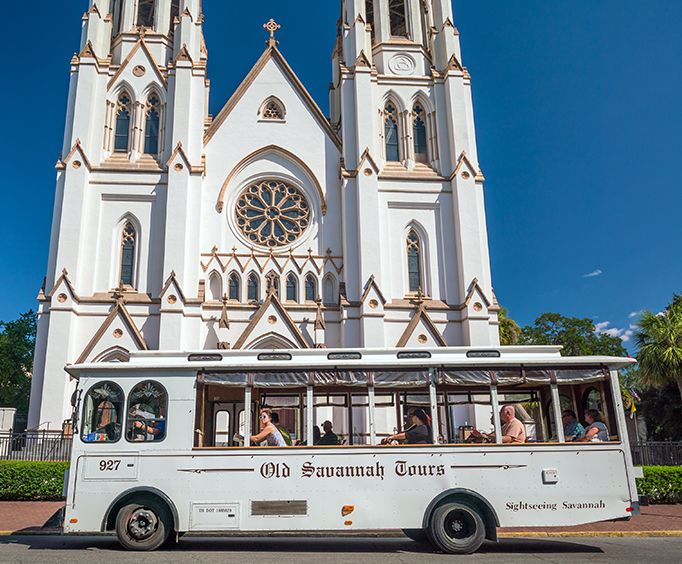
510, 332
659, 344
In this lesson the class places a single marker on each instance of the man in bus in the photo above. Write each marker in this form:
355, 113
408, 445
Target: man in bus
330, 438
513, 431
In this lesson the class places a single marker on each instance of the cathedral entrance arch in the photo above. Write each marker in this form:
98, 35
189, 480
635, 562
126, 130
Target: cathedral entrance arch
271, 341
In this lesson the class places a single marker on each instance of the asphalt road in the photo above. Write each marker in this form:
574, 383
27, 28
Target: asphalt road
339, 550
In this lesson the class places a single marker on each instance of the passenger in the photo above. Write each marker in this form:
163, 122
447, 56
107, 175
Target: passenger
269, 434
573, 429
596, 429
513, 431
281, 428
418, 433
329, 438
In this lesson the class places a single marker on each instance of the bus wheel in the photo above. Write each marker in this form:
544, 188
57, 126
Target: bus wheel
417, 535
457, 528
143, 526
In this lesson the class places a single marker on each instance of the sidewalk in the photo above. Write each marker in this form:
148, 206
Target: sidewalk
656, 520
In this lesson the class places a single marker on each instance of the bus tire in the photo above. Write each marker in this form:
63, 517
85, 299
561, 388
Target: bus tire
143, 525
417, 535
456, 528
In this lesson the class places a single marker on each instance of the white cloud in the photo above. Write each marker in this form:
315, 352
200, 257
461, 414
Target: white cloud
624, 335
594, 273
636, 314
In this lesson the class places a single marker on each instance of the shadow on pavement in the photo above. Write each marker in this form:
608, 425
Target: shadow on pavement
301, 545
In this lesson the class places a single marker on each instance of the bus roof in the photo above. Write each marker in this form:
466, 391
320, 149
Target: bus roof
463, 357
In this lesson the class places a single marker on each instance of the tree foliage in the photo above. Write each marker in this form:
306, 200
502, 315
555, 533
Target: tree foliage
510, 332
17, 344
659, 346
577, 336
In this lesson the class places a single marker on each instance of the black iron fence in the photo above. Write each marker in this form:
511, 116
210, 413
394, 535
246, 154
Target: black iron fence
35, 445
654, 453
56, 446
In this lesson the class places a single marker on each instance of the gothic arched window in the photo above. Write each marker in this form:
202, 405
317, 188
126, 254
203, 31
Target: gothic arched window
421, 152
329, 290
145, 13
152, 123
233, 285
215, 287
398, 16
122, 132
292, 288
414, 261
273, 109
310, 288
391, 133
117, 17
128, 245
253, 287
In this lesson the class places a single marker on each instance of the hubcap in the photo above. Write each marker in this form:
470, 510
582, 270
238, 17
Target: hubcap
459, 525
142, 524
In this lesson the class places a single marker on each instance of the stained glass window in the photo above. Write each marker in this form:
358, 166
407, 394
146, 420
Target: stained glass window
128, 243
419, 126
310, 288
292, 288
414, 258
151, 131
391, 133
122, 132
253, 287
272, 213
233, 287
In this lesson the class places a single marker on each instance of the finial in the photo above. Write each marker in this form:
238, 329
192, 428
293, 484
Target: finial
272, 26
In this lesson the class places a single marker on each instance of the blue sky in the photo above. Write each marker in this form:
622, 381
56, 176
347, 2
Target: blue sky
579, 117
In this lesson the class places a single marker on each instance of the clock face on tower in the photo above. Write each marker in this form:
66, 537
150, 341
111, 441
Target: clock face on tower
272, 213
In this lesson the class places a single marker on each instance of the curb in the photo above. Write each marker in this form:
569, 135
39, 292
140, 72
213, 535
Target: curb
568, 534
386, 535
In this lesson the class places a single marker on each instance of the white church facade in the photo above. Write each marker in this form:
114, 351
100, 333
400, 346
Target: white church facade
268, 225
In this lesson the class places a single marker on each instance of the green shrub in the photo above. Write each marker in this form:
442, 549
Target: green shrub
31, 481
663, 484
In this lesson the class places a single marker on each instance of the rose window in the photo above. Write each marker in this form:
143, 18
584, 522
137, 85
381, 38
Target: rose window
272, 213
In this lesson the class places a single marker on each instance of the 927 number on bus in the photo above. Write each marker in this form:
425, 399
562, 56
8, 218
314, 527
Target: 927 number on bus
109, 465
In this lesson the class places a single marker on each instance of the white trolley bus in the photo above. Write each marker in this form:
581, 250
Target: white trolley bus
157, 448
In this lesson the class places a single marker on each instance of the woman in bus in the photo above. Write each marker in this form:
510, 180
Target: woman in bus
419, 432
596, 430
269, 434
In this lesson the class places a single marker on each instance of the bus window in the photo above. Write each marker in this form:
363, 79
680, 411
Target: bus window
147, 412
222, 429
385, 417
469, 411
528, 411
566, 403
288, 408
409, 401
333, 408
103, 414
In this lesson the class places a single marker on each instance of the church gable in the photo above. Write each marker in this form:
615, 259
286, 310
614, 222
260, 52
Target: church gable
421, 332
271, 323
138, 70
273, 99
117, 336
